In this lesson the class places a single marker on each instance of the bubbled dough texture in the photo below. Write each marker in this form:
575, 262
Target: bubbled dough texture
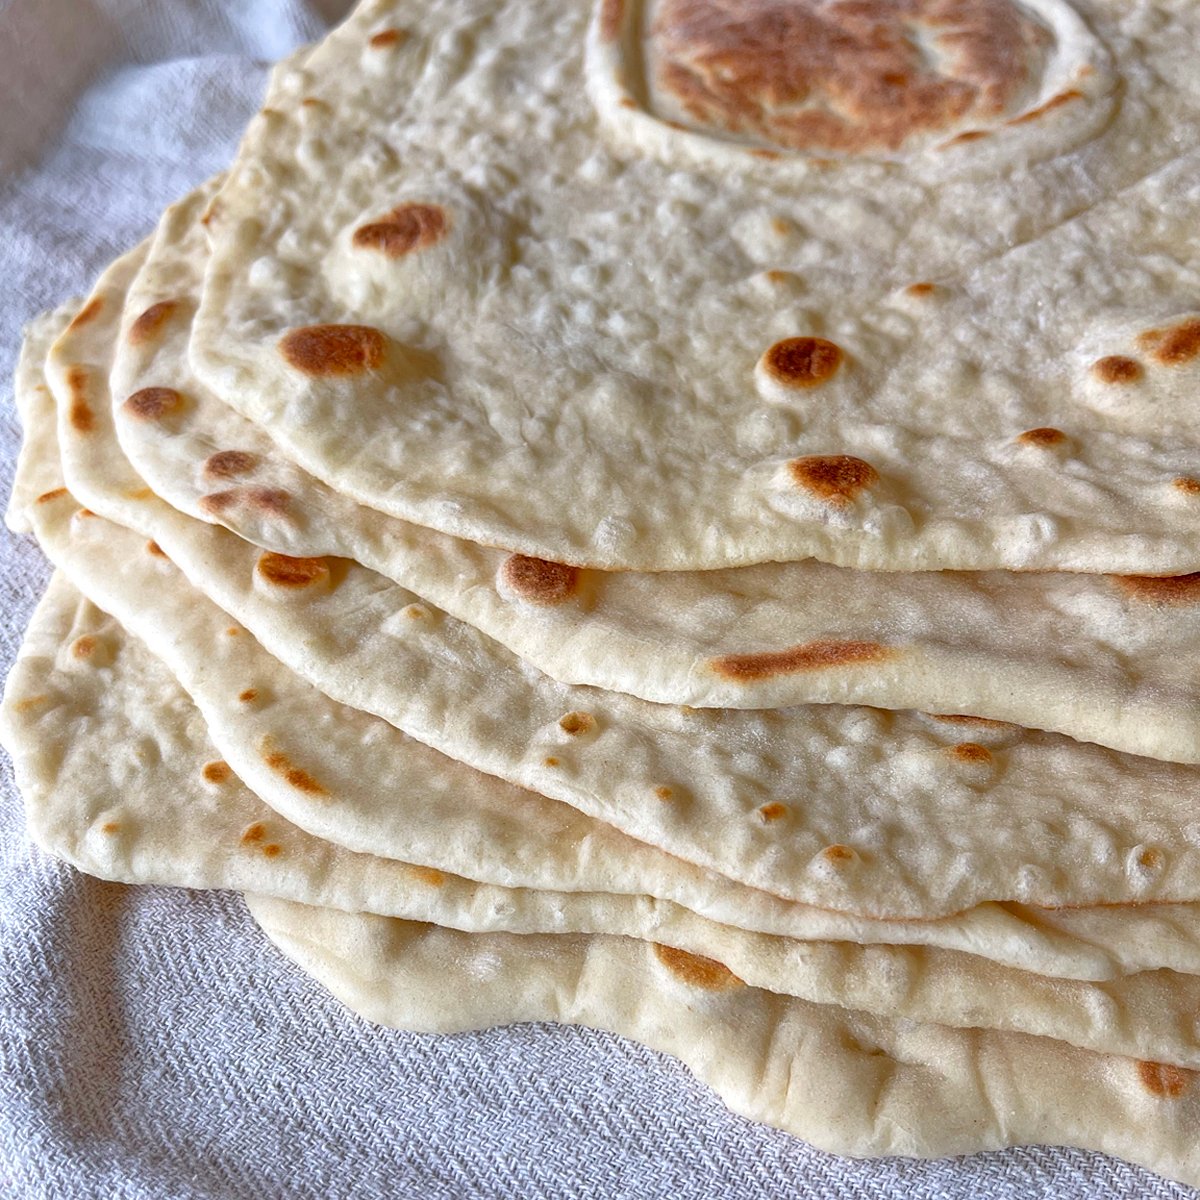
853, 809
154, 811
1072, 653
845, 1081
572, 368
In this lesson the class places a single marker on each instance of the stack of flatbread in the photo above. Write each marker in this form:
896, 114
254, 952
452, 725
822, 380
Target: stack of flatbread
679, 516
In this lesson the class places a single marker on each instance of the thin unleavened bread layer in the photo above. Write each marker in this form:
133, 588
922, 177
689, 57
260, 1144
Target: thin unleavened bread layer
845, 1081
860, 810
1086, 944
1101, 659
120, 779
551, 334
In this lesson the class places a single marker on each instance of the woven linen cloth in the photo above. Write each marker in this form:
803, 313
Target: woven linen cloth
152, 1042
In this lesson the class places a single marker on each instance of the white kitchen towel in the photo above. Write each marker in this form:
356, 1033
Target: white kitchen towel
152, 1043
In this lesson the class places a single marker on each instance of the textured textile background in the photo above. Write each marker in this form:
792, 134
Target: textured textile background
151, 1043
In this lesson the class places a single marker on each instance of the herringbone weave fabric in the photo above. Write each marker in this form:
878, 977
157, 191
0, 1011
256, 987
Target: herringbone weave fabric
152, 1044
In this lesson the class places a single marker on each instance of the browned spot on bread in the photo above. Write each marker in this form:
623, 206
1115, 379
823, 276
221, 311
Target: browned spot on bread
1161, 590
300, 779
802, 362
1151, 858
156, 550
810, 656
313, 102
1174, 345
248, 696
139, 494
781, 226
405, 230
1164, 1080
212, 212
216, 772
153, 403
663, 793
769, 155
834, 478
848, 76
271, 502
577, 722
698, 971
225, 464
1116, 368
24, 705
333, 350
80, 414
962, 719
539, 581
1044, 437
1050, 105
84, 513
84, 647
232, 631
773, 811
285, 571
967, 135
151, 322
388, 37
612, 17
550, 761
47, 497
87, 313
780, 276
838, 854
271, 850
254, 833
920, 289
415, 612
627, 102
1186, 484
971, 752
429, 875
110, 827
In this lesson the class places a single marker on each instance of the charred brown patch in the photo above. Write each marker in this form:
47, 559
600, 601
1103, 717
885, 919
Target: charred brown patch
248, 696
1117, 369
30, 702
405, 230
920, 290
802, 362
227, 464
254, 833
835, 478
773, 811
539, 581
153, 403
298, 778
84, 647
1174, 345
1186, 484
272, 850
1044, 438
576, 723
263, 501
334, 350
388, 37
810, 656
700, 972
967, 136
1164, 1080
971, 752
1151, 858
154, 549
839, 855
89, 312
216, 772
963, 719
1050, 105
150, 323
1161, 590
550, 761
664, 793
284, 571
110, 827
79, 413
430, 875
47, 497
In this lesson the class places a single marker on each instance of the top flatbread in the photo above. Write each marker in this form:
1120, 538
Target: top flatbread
910, 288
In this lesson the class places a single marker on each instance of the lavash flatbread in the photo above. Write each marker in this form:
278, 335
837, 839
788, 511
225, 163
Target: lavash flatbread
466, 292
881, 814
120, 779
1120, 673
844, 1081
